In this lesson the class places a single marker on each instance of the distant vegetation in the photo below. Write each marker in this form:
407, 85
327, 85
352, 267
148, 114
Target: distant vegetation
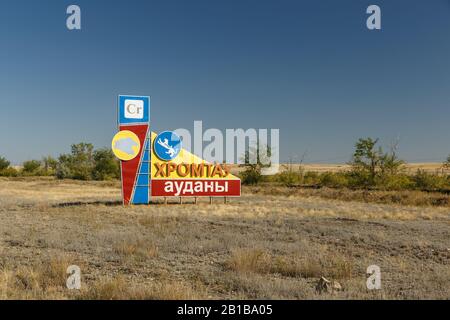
254, 163
370, 168
85, 163
82, 163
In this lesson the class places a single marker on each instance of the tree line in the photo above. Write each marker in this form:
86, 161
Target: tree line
82, 163
370, 168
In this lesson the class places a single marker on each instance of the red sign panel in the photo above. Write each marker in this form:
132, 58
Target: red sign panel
130, 169
196, 188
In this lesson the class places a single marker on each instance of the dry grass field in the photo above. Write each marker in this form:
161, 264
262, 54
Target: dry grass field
430, 167
409, 167
268, 244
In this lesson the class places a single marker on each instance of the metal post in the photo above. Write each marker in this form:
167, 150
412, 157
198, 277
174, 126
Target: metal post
210, 200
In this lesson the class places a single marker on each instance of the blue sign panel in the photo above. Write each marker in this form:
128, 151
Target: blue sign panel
141, 193
134, 110
167, 145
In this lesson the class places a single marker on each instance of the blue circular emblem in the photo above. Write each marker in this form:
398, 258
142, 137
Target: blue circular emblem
167, 145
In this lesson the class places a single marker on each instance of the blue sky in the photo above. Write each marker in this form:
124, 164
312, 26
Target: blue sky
310, 68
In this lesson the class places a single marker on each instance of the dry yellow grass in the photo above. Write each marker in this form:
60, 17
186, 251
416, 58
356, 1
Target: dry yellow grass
41, 281
33, 283
330, 167
268, 244
139, 249
119, 289
308, 266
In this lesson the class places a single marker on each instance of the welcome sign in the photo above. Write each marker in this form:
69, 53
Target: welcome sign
132, 146
186, 175
157, 165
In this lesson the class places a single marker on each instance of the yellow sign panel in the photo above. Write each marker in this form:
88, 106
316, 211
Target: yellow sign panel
188, 166
126, 145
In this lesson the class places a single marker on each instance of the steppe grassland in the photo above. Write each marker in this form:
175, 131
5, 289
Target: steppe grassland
267, 244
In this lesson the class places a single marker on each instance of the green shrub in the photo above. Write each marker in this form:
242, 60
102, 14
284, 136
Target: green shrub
49, 165
106, 167
447, 162
9, 172
254, 162
429, 181
334, 180
4, 164
395, 182
370, 163
359, 179
63, 170
32, 168
79, 164
251, 175
290, 178
311, 178
6, 170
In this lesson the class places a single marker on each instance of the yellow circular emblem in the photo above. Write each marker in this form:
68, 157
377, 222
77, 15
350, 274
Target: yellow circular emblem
126, 145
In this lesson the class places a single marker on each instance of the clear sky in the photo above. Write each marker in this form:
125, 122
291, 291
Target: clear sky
310, 68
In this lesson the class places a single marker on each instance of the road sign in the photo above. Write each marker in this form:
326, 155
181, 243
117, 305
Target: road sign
134, 117
157, 165
186, 175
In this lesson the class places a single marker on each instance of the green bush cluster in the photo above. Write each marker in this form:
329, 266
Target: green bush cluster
254, 162
85, 163
431, 181
82, 163
290, 177
372, 168
421, 180
6, 170
9, 172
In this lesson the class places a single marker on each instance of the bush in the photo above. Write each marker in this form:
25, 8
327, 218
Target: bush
370, 164
63, 170
311, 178
254, 162
83, 163
32, 168
447, 162
334, 180
9, 172
430, 181
6, 170
290, 177
359, 179
50, 165
79, 164
4, 164
106, 167
251, 175
395, 182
